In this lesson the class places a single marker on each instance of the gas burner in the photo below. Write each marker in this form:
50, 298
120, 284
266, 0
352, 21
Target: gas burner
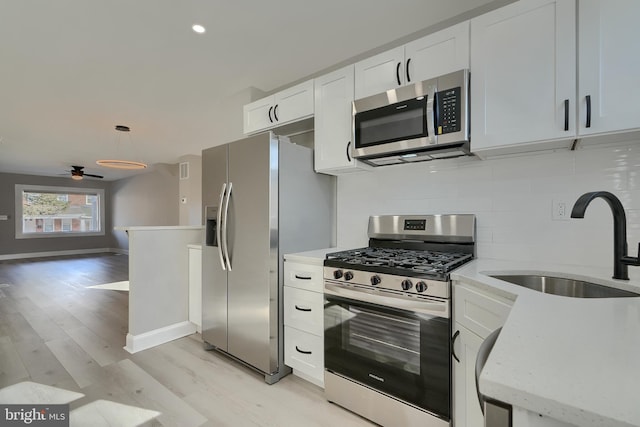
420, 261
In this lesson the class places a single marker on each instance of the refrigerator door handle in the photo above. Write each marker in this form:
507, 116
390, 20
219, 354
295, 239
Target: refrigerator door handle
219, 225
224, 225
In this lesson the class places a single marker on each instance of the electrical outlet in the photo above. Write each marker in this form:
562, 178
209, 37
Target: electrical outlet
560, 210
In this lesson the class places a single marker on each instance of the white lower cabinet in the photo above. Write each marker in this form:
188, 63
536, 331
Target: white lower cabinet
466, 407
304, 352
476, 313
303, 310
195, 286
304, 319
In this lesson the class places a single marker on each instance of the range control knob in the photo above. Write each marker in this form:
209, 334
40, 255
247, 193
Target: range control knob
421, 286
337, 274
375, 280
406, 284
348, 275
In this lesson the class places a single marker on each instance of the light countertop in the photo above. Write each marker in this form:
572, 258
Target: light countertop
576, 360
315, 257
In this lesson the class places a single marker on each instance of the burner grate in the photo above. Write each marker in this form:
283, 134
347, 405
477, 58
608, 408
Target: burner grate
421, 261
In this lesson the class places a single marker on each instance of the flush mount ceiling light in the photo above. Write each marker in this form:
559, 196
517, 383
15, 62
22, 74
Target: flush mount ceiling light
198, 28
121, 164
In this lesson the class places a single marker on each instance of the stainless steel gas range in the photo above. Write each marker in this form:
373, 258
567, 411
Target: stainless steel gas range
388, 319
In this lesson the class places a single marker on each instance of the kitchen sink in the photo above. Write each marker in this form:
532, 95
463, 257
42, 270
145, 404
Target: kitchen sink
564, 287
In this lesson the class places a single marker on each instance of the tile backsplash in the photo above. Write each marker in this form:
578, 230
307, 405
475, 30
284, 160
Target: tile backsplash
512, 198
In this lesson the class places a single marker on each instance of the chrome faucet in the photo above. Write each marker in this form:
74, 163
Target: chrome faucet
621, 260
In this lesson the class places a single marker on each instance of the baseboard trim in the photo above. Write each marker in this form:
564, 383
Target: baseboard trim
136, 343
62, 253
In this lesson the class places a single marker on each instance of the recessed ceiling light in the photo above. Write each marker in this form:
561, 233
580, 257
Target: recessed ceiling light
198, 28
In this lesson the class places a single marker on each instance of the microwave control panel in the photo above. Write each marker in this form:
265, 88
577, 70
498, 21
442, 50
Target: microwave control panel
448, 104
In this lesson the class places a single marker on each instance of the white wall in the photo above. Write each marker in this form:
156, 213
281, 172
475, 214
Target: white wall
150, 198
190, 190
512, 198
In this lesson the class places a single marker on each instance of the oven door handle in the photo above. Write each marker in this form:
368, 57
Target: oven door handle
431, 308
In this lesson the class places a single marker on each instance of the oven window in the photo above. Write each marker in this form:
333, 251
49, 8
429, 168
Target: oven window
403, 354
396, 122
384, 338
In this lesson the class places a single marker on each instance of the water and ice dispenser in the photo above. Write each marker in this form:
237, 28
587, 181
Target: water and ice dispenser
211, 226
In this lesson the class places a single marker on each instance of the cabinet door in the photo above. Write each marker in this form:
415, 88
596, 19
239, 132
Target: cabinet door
608, 34
380, 73
466, 407
332, 121
303, 276
258, 115
523, 69
304, 352
294, 103
436, 54
303, 310
478, 311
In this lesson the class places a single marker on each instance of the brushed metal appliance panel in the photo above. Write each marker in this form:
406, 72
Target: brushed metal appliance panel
458, 228
425, 88
457, 79
214, 278
376, 406
252, 247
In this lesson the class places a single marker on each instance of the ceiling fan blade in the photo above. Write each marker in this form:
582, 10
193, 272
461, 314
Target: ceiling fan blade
94, 176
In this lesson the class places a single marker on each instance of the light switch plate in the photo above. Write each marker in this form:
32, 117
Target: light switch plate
560, 210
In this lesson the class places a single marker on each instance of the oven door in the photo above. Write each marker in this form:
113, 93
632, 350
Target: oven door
402, 352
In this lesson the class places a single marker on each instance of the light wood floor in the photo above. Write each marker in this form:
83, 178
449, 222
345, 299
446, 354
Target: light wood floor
56, 331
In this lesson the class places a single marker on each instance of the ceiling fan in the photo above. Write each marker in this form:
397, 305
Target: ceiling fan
77, 173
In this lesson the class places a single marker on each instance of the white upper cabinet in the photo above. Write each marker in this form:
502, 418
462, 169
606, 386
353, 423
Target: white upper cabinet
523, 75
609, 64
379, 73
332, 122
294, 103
257, 115
289, 105
433, 55
436, 54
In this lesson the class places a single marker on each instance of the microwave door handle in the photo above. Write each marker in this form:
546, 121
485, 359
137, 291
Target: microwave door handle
431, 116
224, 225
219, 226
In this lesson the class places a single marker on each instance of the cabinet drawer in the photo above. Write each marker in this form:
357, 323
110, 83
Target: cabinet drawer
304, 310
305, 353
303, 276
480, 312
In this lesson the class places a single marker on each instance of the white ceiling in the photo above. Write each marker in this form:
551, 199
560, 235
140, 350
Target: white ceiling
70, 70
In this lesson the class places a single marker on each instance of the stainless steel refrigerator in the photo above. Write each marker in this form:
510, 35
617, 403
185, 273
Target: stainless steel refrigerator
262, 200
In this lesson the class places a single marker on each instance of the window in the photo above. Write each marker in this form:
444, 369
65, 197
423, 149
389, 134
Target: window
58, 211
48, 225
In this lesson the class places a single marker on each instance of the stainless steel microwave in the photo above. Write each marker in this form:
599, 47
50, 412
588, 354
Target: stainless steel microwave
423, 121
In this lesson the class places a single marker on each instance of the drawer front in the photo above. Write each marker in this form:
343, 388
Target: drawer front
303, 276
479, 312
303, 310
304, 352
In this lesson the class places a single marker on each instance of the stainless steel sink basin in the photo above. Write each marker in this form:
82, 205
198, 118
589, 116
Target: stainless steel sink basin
564, 287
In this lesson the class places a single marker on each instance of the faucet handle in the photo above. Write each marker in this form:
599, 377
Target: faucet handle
629, 260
